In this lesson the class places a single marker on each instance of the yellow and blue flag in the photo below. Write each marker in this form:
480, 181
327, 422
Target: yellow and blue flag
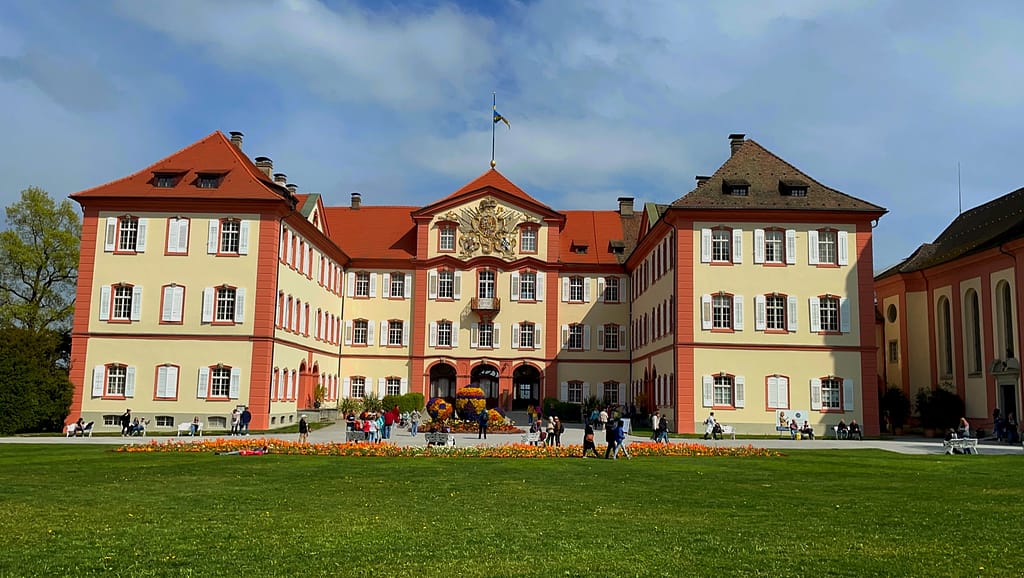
498, 118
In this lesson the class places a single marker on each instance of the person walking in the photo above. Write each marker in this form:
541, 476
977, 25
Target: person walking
126, 422
481, 431
245, 419
611, 438
661, 436
709, 425
303, 430
620, 441
414, 422
236, 417
588, 441
551, 431
654, 426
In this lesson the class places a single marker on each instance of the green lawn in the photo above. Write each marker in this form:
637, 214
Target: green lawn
87, 510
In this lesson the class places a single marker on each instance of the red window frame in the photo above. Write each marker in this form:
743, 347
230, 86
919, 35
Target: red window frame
117, 236
785, 313
728, 260
113, 301
106, 381
184, 294
448, 226
220, 236
156, 381
732, 313
167, 235
714, 403
766, 262
536, 242
365, 343
839, 381
789, 392
820, 264
216, 298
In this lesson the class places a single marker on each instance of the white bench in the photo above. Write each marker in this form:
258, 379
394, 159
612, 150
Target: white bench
532, 438
965, 445
186, 428
73, 431
439, 438
728, 430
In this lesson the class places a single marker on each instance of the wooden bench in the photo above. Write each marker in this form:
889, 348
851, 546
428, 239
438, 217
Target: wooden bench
965, 445
439, 438
532, 438
186, 428
354, 436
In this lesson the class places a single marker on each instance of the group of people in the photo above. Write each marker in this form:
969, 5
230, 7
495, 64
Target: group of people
1006, 429
377, 426
805, 431
659, 428
844, 431
551, 434
614, 435
240, 421
129, 427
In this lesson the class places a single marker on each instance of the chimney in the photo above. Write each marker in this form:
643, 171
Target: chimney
626, 206
265, 164
292, 188
357, 199
280, 179
236, 139
701, 179
735, 140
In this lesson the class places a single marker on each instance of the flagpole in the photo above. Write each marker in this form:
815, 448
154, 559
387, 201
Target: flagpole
494, 107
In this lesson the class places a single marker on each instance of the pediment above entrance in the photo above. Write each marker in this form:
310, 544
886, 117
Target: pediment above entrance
489, 228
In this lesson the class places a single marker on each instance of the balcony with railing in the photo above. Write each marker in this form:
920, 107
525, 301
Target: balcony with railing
485, 304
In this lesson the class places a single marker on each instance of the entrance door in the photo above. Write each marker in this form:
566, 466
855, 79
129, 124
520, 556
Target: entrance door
1008, 398
442, 382
486, 378
525, 387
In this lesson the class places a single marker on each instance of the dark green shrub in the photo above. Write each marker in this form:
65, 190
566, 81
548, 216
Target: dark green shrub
411, 402
35, 392
896, 404
939, 408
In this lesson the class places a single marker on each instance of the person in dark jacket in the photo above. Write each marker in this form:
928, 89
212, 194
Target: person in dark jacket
588, 441
126, 422
246, 418
303, 430
482, 425
610, 437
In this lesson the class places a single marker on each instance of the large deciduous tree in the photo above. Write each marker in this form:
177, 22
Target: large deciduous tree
39, 263
35, 392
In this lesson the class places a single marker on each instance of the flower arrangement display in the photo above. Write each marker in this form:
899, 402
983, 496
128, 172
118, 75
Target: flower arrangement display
387, 450
496, 418
470, 401
439, 409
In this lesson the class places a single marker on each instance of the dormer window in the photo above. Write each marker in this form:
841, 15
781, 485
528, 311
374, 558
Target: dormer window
579, 247
208, 180
793, 188
616, 247
736, 188
165, 180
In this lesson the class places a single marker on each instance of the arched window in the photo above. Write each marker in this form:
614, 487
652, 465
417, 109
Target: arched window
1004, 312
945, 349
973, 342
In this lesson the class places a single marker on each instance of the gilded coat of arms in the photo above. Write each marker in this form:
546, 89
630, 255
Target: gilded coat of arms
488, 229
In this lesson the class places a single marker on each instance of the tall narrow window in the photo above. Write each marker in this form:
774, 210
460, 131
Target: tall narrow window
528, 240
576, 289
445, 285
486, 335
446, 238
225, 305
829, 314
220, 381
973, 332
721, 307
827, 247
575, 337
485, 287
775, 312
528, 286
122, 310
229, 236
1004, 301
611, 289
128, 234
945, 338
721, 245
831, 394
723, 390
444, 333
774, 244
362, 284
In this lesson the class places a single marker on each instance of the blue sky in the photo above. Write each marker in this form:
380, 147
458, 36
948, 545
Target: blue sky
606, 98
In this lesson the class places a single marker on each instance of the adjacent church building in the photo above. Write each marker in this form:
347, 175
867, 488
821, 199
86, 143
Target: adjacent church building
207, 282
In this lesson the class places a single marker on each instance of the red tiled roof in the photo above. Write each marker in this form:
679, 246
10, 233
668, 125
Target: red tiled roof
594, 229
495, 180
373, 232
213, 154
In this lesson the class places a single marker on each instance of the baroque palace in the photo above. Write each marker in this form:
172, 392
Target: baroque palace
207, 282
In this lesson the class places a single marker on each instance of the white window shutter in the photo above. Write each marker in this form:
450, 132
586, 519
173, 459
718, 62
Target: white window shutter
208, 305
99, 378
373, 284
110, 240
586, 289
622, 338
204, 383
848, 394
350, 290
514, 287
457, 290
563, 391
515, 336
783, 392
565, 336
600, 289
843, 250
243, 238
129, 381
586, 338
212, 239
496, 336
346, 387
815, 314
586, 391
600, 338
791, 319
812, 247
740, 391
291, 248
235, 386
281, 245
759, 246
161, 381
455, 333
760, 313
140, 238
844, 315
172, 235
433, 334
407, 286
816, 394
385, 290
179, 303
404, 386
737, 312
240, 306
432, 284
622, 394
385, 339
348, 332
708, 384
137, 303
565, 289
405, 335
705, 311
705, 245
167, 309
474, 335
537, 333
105, 303
540, 286
773, 392
737, 245
791, 246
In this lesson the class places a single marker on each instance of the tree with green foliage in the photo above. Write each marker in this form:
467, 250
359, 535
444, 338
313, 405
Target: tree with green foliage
35, 392
39, 263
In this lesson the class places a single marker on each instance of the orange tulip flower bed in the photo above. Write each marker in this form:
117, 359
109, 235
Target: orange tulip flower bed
384, 450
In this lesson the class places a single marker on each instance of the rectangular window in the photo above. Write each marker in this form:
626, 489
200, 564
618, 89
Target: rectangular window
576, 289
611, 290
177, 236
164, 421
723, 390
117, 377
486, 335
721, 245
775, 312
445, 285
220, 381
829, 314
230, 233
446, 241
362, 284
831, 394
528, 286
827, 244
395, 333
128, 234
225, 305
485, 285
611, 392
528, 241
774, 246
164, 181
393, 386
122, 310
611, 337
444, 333
894, 351
208, 181
359, 387
359, 332
575, 337
721, 307
526, 340
575, 392
397, 285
